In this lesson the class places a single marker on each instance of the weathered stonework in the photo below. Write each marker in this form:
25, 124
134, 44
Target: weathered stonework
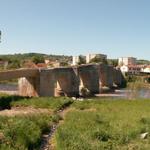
117, 77
89, 77
29, 86
66, 81
47, 82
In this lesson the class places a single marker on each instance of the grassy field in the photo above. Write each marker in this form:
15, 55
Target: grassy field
24, 132
93, 124
105, 125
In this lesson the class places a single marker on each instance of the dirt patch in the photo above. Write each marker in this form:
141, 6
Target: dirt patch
16, 111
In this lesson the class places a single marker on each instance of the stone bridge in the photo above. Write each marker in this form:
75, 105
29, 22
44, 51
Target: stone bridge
65, 81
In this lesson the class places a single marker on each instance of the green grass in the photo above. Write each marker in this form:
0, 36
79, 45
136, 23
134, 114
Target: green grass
49, 102
25, 132
105, 125
22, 133
7, 101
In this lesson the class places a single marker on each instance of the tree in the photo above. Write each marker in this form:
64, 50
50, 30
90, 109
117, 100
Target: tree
98, 59
81, 60
63, 63
37, 59
13, 64
113, 62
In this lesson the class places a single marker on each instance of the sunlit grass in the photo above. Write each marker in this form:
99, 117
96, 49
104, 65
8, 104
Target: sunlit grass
105, 125
24, 132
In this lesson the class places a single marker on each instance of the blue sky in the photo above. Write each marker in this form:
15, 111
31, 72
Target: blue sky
71, 27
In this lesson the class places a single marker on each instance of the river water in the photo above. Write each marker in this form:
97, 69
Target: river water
138, 93
9, 88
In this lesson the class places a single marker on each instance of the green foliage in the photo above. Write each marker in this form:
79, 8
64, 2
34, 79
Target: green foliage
37, 59
81, 60
105, 125
14, 64
42, 102
98, 59
113, 62
17, 60
63, 63
132, 78
6, 100
23, 133
143, 62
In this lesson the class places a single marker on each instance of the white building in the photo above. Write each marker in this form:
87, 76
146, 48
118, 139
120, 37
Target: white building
75, 60
126, 61
91, 56
146, 69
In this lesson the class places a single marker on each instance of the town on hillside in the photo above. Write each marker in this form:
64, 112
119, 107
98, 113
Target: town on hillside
127, 65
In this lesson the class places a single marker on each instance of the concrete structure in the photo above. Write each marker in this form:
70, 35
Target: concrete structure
126, 61
91, 56
64, 81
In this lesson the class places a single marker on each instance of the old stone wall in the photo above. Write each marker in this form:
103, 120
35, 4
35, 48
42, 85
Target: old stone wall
47, 82
67, 81
89, 77
117, 77
29, 86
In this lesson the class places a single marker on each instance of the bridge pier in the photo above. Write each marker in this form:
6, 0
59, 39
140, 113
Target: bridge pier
47, 82
67, 82
117, 75
89, 78
105, 77
29, 86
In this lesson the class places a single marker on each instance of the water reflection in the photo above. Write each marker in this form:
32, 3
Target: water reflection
138, 93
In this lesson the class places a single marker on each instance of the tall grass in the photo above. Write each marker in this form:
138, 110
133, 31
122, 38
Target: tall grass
24, 132
6, 102
43, 102
105, 125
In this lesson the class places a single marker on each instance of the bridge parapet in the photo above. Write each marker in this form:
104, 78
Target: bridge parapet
14, 74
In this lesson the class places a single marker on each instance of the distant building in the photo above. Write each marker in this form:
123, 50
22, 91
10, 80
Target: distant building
47, 61
91, 56
146, 69
126, 61
130, 69
75, 60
